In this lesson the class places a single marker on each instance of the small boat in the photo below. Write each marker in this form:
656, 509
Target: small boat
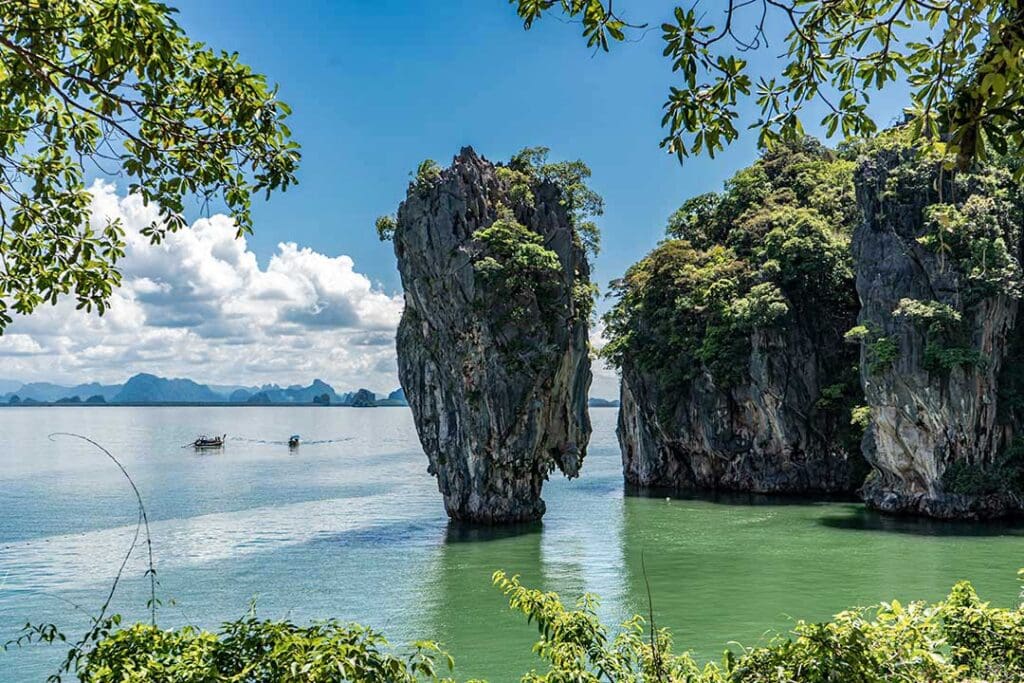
293, 442
209, 441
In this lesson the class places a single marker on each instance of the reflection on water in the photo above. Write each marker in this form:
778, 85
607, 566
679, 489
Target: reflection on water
355, 529
463, 532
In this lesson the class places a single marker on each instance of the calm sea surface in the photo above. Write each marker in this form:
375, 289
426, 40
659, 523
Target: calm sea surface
354, 528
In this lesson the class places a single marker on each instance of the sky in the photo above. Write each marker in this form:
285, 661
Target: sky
376, 86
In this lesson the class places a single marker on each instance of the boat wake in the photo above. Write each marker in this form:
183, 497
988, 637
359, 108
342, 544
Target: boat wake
285, 442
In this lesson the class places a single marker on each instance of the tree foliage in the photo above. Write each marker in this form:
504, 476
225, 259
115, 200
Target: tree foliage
958, 639
961, 60
530, 166
773, 244
518, 270
116, 88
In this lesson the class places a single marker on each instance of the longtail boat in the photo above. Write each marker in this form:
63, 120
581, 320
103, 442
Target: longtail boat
210, 441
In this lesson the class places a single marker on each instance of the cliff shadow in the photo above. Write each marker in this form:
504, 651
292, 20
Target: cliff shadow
469, 532
735, 497
856, 517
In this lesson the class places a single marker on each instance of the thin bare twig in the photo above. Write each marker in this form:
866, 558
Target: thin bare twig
143, 521
655, 654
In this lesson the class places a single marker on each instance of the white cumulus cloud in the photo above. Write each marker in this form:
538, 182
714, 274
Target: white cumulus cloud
199, 305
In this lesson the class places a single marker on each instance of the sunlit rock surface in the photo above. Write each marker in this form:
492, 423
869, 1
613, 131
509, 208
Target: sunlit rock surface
498, 405
941, 438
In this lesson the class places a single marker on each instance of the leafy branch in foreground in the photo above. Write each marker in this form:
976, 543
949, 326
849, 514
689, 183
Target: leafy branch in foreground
955, 640
959, 639
960, 58
116, 87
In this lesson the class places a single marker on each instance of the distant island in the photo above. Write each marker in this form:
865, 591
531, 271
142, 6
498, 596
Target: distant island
595, 402
146, 389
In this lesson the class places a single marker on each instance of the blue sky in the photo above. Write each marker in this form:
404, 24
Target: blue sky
376, 87
379, 85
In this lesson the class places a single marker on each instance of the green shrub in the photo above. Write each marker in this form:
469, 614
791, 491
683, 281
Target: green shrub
386, 226
947, 337
974, 237
428, 174
954, 640
860, 416
530, 167
251, 651
1005, 475
958, 639
519, 272
880, 351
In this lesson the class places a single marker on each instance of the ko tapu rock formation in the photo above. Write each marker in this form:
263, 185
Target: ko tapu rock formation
493, 342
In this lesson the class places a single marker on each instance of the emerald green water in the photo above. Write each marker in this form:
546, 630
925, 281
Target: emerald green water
353, 528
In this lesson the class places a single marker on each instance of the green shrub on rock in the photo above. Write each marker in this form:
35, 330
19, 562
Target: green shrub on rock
517, 268
947, 338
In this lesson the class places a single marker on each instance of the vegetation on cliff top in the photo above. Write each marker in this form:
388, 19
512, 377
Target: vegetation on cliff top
514, 261
517, 270
958, 639
522, 275
772, 248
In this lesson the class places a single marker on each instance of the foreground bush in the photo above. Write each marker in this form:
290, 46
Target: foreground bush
958, 639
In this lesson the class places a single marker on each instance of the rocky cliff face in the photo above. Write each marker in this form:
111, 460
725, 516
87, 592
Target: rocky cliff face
729, 337
937, 263
492, 346
765, 434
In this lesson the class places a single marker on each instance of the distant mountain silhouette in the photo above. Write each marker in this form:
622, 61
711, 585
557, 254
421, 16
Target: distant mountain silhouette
364, 398
146, 388
45, 392
298, 394
229, 389
603, 403
395, 398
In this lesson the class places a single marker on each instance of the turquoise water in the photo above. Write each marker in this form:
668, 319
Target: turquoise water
354, 528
